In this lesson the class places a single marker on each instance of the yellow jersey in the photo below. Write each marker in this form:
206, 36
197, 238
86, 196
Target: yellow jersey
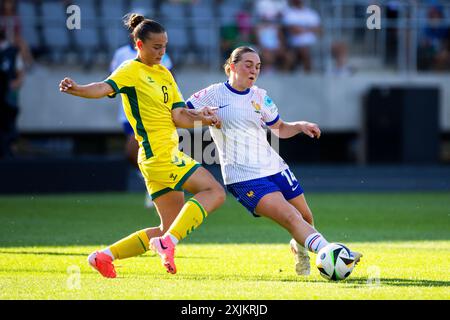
149, 94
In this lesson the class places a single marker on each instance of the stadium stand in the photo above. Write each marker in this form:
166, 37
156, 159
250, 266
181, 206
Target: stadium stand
384, 58
53, 23
27, 12
196, 25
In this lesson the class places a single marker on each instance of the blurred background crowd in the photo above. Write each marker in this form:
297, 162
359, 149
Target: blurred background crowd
379, 95
289, 33
311, 36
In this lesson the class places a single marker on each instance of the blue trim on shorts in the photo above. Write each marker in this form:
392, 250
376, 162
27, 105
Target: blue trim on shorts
250, 192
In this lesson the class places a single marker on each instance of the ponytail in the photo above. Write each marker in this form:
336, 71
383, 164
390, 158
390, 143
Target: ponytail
140, 27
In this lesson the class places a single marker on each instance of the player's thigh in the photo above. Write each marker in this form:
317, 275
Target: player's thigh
201, 180
168, 206
274, 206
301, 205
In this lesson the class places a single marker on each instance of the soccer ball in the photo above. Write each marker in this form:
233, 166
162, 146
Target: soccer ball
335, 262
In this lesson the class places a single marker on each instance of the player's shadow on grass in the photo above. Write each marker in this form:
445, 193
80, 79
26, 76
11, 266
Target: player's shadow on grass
44, 253
382, 282
354, 282
77, 254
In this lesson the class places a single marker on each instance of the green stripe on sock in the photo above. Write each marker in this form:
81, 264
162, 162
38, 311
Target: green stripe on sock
204, 214
145, 248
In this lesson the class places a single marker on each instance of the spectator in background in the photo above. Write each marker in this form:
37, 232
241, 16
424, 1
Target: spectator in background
229, 39
129, 52
393, 11
269, 35
244, 22
434, 51
11, 77
302, 26
10, 22
239, 32
270, 41
270, 9
339, 52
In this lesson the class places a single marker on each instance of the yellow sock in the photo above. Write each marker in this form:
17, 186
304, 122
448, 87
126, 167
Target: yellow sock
131, 246
189, 218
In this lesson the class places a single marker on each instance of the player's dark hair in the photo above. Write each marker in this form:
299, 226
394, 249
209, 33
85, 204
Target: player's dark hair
140, 27
236, 56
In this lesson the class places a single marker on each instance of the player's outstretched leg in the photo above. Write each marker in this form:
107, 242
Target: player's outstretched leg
301, 256
275, 207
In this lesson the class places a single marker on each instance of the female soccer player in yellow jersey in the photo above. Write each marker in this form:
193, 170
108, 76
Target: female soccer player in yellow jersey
154, 107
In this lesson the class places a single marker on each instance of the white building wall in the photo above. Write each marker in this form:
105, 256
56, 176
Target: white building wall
332, 102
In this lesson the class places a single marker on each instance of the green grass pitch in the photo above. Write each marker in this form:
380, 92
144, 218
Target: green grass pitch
405, 239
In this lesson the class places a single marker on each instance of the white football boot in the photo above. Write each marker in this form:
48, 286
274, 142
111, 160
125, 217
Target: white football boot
357, 256
301, 257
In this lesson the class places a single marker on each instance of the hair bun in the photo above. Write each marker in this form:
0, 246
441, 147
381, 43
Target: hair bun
132, 20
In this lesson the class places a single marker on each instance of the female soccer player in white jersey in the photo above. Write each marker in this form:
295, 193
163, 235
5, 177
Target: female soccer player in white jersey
252, 170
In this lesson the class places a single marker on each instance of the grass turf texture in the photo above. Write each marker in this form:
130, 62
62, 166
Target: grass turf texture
44, 242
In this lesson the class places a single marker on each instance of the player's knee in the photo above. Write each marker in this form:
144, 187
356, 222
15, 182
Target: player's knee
219, 194
292, 220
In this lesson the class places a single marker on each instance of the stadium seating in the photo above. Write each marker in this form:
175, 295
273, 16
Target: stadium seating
53, 23
195, 28
26, 11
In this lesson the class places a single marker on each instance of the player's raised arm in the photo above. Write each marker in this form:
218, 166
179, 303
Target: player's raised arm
286, 130
93, 90
186, 118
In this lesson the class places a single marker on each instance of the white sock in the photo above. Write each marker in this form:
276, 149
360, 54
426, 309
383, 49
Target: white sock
174, 239
108, 252
314, 242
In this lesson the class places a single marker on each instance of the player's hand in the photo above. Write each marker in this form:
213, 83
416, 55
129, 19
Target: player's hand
217, 122
310, 129
214, 121
210, 115
67, 85
209, 111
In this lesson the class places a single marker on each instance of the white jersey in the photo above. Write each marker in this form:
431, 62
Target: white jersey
127, 52
242, 145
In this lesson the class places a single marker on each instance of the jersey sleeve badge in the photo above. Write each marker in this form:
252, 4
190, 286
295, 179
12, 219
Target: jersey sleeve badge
257, 106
